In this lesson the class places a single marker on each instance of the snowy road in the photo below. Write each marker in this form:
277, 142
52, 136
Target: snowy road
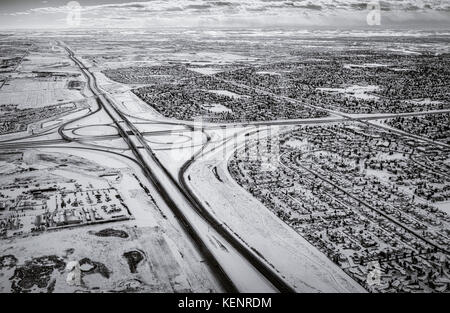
235, 270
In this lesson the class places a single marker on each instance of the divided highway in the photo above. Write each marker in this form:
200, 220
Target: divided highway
236, 266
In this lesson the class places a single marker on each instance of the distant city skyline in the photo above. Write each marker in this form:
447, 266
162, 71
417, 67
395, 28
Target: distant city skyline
416, 14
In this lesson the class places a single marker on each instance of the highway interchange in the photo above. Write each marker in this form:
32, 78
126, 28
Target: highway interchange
254, 274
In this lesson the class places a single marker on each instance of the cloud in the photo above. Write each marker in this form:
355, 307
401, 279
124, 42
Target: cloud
250, 13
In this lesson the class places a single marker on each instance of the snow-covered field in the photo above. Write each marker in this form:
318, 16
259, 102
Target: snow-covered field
359, 92
205, 70
35, 93
365, 65
443, 206
125, 99
170, 261
164, 267
268, 73
217, 108
226, 93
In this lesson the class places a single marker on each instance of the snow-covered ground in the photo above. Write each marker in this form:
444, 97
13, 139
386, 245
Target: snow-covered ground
365, 65
125, 99
171, 262
301, 264
245, 277
226, 93
37, 97
359, 92
205, 70
217, 108
268, 73
443, 206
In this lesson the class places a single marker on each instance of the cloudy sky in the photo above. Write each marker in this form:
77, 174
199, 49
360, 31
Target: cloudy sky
417, 14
